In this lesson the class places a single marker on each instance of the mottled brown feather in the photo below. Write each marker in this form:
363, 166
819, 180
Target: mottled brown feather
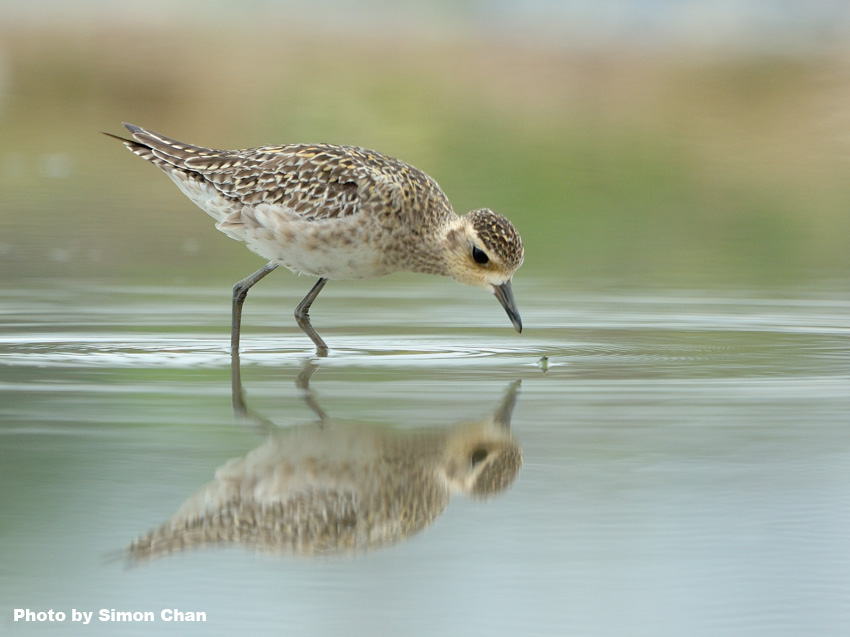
319, 181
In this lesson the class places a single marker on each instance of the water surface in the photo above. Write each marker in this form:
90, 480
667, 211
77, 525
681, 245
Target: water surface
686, 458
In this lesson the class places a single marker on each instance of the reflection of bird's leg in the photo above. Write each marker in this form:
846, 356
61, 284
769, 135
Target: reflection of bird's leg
506, 409
237, 395
240, 405
237, 392
303, 383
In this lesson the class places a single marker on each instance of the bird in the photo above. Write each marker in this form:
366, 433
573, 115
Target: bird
334, 487
336, 212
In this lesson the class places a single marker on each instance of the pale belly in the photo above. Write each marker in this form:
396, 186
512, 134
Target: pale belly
338, 248
322, 249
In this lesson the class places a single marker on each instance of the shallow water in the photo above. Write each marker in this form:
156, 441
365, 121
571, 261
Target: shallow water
686, 458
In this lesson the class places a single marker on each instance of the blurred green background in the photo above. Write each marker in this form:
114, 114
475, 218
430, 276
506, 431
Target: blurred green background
637, 143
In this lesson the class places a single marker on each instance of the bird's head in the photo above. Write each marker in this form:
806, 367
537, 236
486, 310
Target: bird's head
484, 251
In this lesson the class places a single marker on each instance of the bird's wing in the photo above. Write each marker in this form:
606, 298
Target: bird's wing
318, 181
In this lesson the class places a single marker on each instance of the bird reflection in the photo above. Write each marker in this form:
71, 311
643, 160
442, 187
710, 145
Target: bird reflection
328, 487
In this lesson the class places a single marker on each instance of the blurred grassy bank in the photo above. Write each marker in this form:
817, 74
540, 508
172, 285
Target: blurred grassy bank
646, 168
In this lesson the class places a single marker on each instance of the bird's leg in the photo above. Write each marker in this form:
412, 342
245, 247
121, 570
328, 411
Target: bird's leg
302, 317
240, 291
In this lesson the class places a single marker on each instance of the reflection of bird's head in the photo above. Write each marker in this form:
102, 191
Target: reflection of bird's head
481, 460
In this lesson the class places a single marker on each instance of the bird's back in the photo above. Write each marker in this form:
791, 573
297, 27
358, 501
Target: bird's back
317, 181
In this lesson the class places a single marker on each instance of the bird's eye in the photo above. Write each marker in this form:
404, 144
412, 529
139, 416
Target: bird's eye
480, 256
478, 456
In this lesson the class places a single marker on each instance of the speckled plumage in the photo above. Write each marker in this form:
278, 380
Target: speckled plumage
338, 212
341, 488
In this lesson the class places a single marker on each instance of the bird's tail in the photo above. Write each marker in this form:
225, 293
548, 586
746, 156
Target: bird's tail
160, 150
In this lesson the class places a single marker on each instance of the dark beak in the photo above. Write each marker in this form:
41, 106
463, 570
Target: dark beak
506, 298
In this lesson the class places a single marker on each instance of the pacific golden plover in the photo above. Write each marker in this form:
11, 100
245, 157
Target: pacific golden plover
336, 212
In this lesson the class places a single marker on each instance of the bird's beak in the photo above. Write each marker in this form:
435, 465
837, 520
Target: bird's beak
506, 298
